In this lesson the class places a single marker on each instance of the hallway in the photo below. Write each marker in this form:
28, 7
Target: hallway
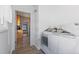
23, 30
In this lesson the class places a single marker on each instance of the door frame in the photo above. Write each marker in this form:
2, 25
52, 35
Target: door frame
16, 26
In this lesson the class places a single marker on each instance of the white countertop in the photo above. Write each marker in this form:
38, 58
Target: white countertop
59, 34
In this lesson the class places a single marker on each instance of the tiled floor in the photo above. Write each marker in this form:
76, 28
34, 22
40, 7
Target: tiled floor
31, 50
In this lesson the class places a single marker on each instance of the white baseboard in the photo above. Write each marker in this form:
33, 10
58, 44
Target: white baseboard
11, 51
37, 46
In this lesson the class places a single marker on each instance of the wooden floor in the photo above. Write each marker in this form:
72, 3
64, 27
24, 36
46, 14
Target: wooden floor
27, 49
20, 40
30, 50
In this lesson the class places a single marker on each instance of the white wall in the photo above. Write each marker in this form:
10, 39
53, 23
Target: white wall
27, 9
57, 15
5, 40
36, 15
4, 48
50, 15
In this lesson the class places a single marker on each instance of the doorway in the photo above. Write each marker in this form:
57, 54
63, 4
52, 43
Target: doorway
22, 30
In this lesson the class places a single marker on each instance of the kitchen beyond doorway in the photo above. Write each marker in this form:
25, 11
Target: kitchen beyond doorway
22, 30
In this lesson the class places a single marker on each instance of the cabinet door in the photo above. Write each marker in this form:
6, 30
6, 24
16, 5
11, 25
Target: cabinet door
66, 45
53, 43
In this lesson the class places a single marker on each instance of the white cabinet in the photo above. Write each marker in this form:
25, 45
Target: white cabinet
59, 44
53, 43
66, 45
